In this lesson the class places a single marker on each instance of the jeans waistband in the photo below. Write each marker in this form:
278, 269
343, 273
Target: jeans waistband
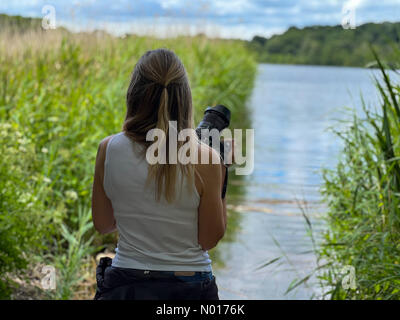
186, 276
197, 275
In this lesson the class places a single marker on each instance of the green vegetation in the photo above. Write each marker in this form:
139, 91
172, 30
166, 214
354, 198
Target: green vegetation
18, 24
60, 95
324, 45
363, 195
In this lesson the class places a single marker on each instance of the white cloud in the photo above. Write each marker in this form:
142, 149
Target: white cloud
168, 4
223, 7
353, 4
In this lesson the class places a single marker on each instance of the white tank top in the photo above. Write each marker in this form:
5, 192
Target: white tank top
152, 235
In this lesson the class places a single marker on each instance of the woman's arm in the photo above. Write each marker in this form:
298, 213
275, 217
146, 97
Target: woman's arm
212, 209
102, 211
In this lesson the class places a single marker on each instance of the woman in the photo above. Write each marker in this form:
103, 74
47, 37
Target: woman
167, 215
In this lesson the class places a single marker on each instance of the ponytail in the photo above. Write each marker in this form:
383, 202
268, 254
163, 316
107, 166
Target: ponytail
156, 70
164, 174
163, 114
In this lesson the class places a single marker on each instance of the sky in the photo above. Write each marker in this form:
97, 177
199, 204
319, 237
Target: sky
241, 19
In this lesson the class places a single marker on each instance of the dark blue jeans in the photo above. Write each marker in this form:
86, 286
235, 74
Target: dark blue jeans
130, 284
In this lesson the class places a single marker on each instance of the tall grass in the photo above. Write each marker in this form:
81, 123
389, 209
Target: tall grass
363, 195
60, 94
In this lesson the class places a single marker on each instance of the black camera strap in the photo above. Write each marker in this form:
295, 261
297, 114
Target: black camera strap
225, 183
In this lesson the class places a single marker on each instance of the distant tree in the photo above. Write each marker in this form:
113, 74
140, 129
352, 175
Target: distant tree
259, 40
328, 45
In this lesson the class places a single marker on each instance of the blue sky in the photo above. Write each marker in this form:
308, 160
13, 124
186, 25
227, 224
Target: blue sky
220, 18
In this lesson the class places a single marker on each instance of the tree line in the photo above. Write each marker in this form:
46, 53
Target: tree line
330, 45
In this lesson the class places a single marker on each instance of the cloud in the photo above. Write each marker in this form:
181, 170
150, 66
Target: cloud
234, 18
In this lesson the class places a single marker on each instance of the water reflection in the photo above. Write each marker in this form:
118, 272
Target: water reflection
292, 106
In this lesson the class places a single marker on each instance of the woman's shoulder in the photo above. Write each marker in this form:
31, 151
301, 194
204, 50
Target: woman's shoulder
104, 142
208, 172
207, 156
209, 163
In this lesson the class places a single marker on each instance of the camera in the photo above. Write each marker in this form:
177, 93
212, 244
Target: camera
218, 118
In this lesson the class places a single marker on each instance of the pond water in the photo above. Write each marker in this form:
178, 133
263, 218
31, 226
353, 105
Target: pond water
291, 109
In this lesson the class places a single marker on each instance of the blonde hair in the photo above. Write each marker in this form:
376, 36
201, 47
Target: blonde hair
159, 92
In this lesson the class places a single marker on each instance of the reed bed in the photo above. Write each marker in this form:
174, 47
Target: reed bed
363, 195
